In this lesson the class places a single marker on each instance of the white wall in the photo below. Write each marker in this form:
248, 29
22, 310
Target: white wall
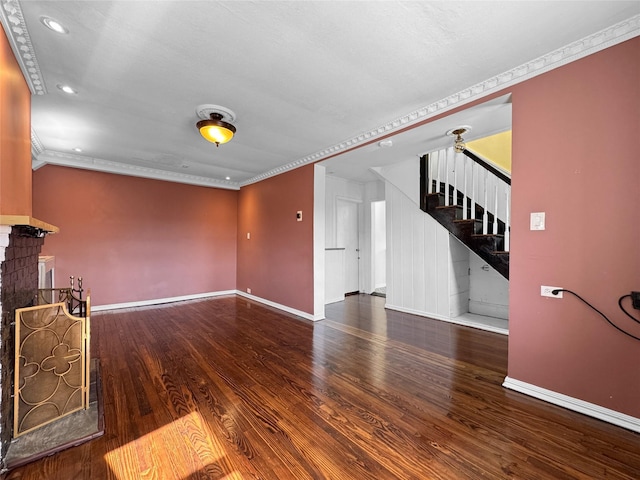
488, 290
459, 277
418, 256
373, 192
379, 243
319, 267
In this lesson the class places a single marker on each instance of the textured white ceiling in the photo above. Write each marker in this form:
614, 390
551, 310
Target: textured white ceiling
303, 77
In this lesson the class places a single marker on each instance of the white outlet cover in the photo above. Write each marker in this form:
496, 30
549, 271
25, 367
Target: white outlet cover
537, 221
545, 291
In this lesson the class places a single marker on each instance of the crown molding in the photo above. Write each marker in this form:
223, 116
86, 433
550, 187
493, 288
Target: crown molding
36, 149
596, 42
18, 35
107, 166
36, 145
13, 22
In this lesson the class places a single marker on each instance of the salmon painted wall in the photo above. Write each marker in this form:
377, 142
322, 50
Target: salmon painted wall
276, 263
15, 140
575, 157
135, 239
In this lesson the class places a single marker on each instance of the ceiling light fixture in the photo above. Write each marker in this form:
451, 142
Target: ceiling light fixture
54, 25
215, 125
67, 89
457, 132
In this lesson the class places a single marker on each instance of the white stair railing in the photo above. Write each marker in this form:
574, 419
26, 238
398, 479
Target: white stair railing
479, 183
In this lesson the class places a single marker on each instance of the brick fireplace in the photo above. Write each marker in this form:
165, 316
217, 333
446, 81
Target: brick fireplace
21, 235
20, 246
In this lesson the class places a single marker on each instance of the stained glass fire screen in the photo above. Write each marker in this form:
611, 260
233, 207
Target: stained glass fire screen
52, 364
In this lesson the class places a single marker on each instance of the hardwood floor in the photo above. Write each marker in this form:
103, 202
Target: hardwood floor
229, 389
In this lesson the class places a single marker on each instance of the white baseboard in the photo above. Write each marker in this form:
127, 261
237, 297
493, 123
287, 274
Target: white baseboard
279, 306
159, 301
416, 312
577, 405
455, 320
489, 309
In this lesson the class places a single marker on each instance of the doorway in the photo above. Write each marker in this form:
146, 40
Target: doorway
379, 248
347, 238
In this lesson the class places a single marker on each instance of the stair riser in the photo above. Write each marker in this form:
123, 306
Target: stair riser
488, 247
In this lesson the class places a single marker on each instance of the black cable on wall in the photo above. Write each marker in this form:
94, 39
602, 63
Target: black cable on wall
556, 291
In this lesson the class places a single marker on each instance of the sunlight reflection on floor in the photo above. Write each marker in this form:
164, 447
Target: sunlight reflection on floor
177, 451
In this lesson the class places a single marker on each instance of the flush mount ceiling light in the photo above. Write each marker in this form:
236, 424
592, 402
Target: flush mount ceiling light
54, 25
215, 125
457, 132
67, 89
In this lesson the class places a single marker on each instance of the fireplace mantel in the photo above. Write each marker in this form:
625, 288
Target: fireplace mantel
25, 220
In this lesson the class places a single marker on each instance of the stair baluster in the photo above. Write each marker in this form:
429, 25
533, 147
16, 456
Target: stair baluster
485, 215
446, 190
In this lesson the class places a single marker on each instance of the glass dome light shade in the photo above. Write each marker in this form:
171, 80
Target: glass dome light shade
215, 130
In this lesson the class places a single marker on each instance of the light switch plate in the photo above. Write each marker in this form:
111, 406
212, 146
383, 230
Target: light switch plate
537, 221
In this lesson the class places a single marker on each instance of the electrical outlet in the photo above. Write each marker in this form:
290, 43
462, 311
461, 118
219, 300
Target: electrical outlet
546, 291
635, 300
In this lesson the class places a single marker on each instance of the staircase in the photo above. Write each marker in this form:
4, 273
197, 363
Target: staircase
455, 191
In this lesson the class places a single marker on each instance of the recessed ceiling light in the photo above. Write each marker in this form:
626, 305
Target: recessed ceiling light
77, 149
67, 89
385, 143
227, 178
54, 25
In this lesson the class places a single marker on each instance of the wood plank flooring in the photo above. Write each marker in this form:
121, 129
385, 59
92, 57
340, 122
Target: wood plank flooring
229, 389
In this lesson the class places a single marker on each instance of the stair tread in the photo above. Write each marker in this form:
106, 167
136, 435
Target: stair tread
487, 235
448, 206
450, 217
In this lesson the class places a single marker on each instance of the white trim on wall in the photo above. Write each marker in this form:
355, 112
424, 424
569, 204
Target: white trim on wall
279, 306
465, 320
575, 404
159, 301
197, 296
319, 226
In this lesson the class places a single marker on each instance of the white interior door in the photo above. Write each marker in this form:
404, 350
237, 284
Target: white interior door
347, 238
